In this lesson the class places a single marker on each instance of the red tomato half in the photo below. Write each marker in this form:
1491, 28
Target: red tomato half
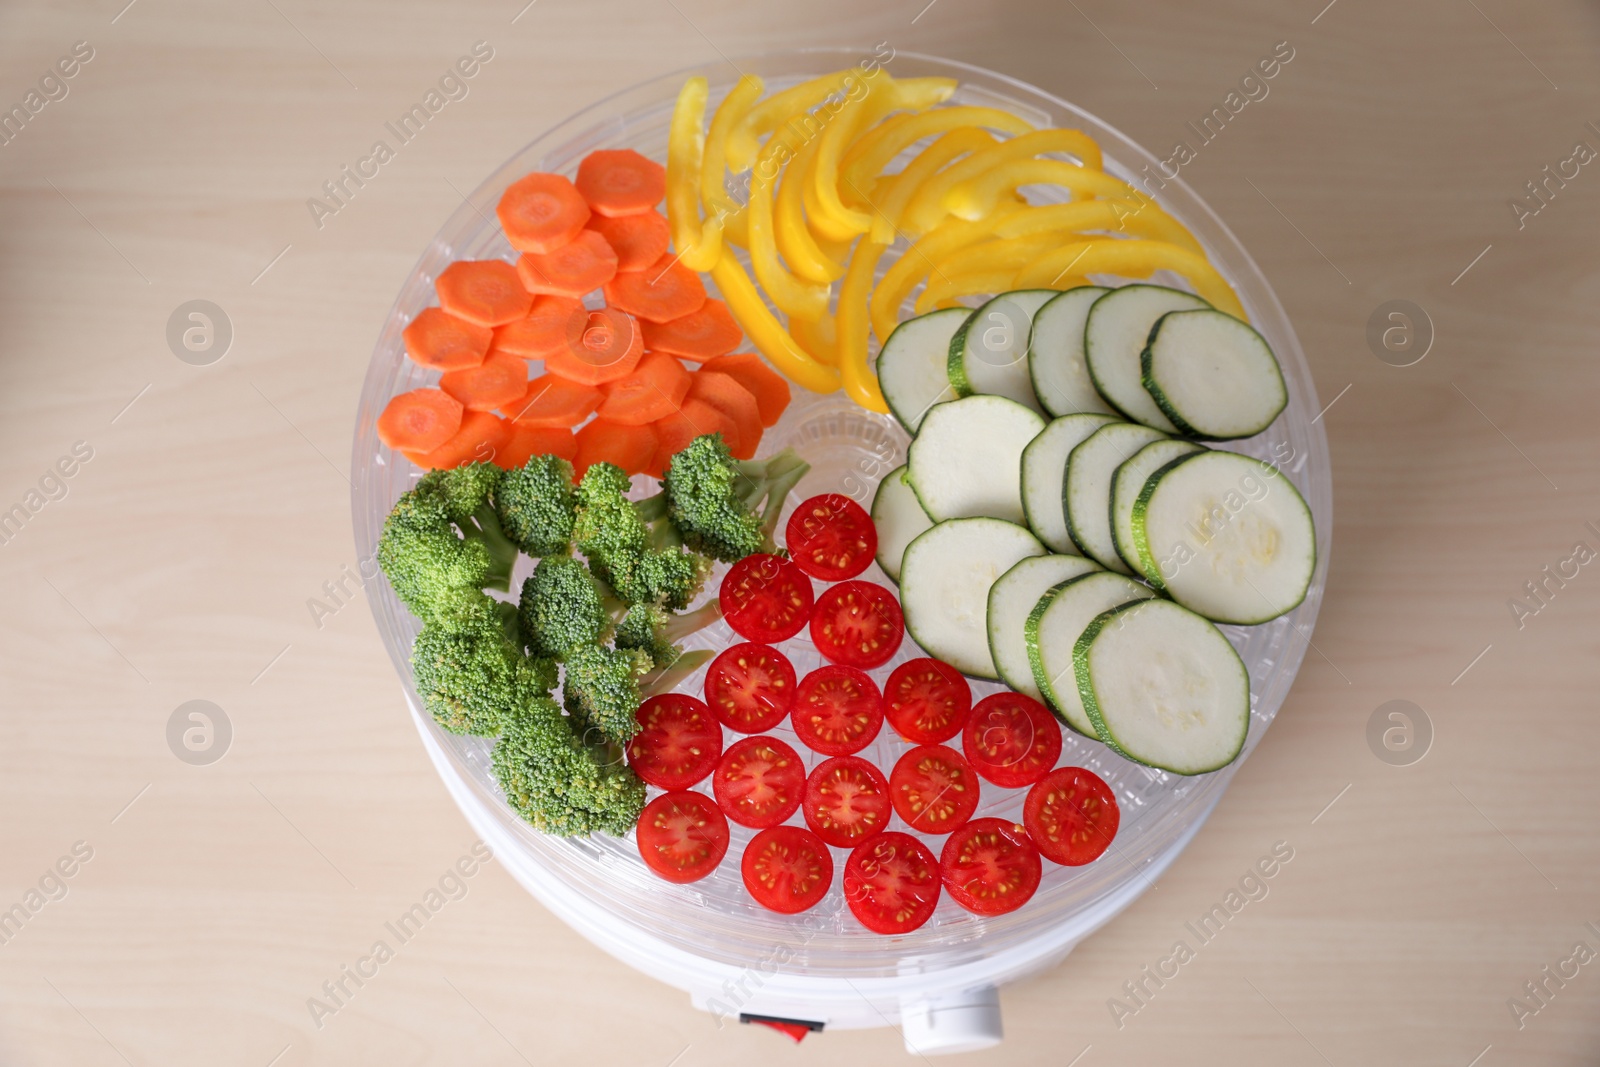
759, 782
990, 867
766, 598
927, 701
682, 836
678, 741
831, 537
933, 789
847, 801
750, 687
1072, 815
891, 883
1011, 739
858, 624
837, 711
787, 869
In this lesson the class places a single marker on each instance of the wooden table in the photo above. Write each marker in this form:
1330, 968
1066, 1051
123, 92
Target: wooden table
208, 504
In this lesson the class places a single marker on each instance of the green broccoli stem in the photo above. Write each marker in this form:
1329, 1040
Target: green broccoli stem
779, 484
652, 511
485, 529
678, 627
665, 679
506, 613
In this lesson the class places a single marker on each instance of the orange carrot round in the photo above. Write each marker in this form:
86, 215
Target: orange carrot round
651, 392
703, 334
693, 418
663, 291
485, 291
541, 212
608, 348
580, 266
481, 435
500, 379
770, 388
621, 182
421, 420
549, 324
524, 442
440, 340
630, 447
550, 402
639, 240
724, 393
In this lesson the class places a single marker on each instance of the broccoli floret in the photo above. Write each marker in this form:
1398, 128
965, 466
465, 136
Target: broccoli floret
558, 783
716, 502
432, 569
537, 506
564, 607
656, 631
626, 546
602, 689
471, 676
466, 494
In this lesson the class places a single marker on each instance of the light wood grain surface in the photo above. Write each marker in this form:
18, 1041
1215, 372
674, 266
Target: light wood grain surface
179, 562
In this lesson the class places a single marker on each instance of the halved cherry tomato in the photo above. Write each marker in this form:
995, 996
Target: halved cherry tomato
678, 741
831, 537
787, 869
891, 883
847, 801
766, 598
837, 711
750, 687
1072, 815
759, 782
927, 701
990, 867
1011, 740
858, 624
682, 836
934, 790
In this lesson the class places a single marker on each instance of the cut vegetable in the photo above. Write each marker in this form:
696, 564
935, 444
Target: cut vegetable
638, 240
913, 367
541, 212
1052, 631
1044, 473
552, 322
477, 441
1056, 363
620, 182
766, 385
522, 443
419, 421
608, 348
663, 291
701, 335
499, 380
966, 459
553, 403
724, 393
1011, 599
1114, 336
485, 291
629, 447
652, 391
1227, 536
830, 537
1213, 375
989, 353
1126, 484
945, 582
693, 418
439, 340
1164, 687
580, 266
1090, 469
899, 518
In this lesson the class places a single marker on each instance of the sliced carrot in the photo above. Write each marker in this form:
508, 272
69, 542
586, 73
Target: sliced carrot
663, 291
541, 212
440, 340
525, 442
485, 291
693, 418
480, 437
580, 266
770, 388
423, 419
639, 240
553, 403
700, 335
723, 392
498, 381
651, 392
608, 348
546, 327
621, 182
630, 447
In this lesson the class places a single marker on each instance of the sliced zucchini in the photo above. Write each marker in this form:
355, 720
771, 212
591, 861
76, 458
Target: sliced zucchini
966, 460
1125, 486
1213, 375
1052, 629
1044, 471
1090, 469
989, 353
1055, 354
912, 366
1227, 536
1011, 598
899, 519
1114, 336
1163, 686
944, 587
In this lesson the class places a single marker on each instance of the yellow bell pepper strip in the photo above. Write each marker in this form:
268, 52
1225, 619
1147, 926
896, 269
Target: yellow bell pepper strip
699, 245
817, 337
806, 256
766, 332
977, 195
878, 147
1128, 258
989, 258
927, 207
895, 191
1137, 218
860, 381
713, 177
948, 290
744, 139
920, 259
794, 296
849, 183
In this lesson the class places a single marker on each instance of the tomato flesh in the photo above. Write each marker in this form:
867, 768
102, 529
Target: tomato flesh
927, 701
678, 741
891, 882
766, 598
990, 867
682, 836
1072, 816
750, 687
831, 537
1011, 740
847, 801
933, 789
837, 711
858, 624
759, 782
787, 869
